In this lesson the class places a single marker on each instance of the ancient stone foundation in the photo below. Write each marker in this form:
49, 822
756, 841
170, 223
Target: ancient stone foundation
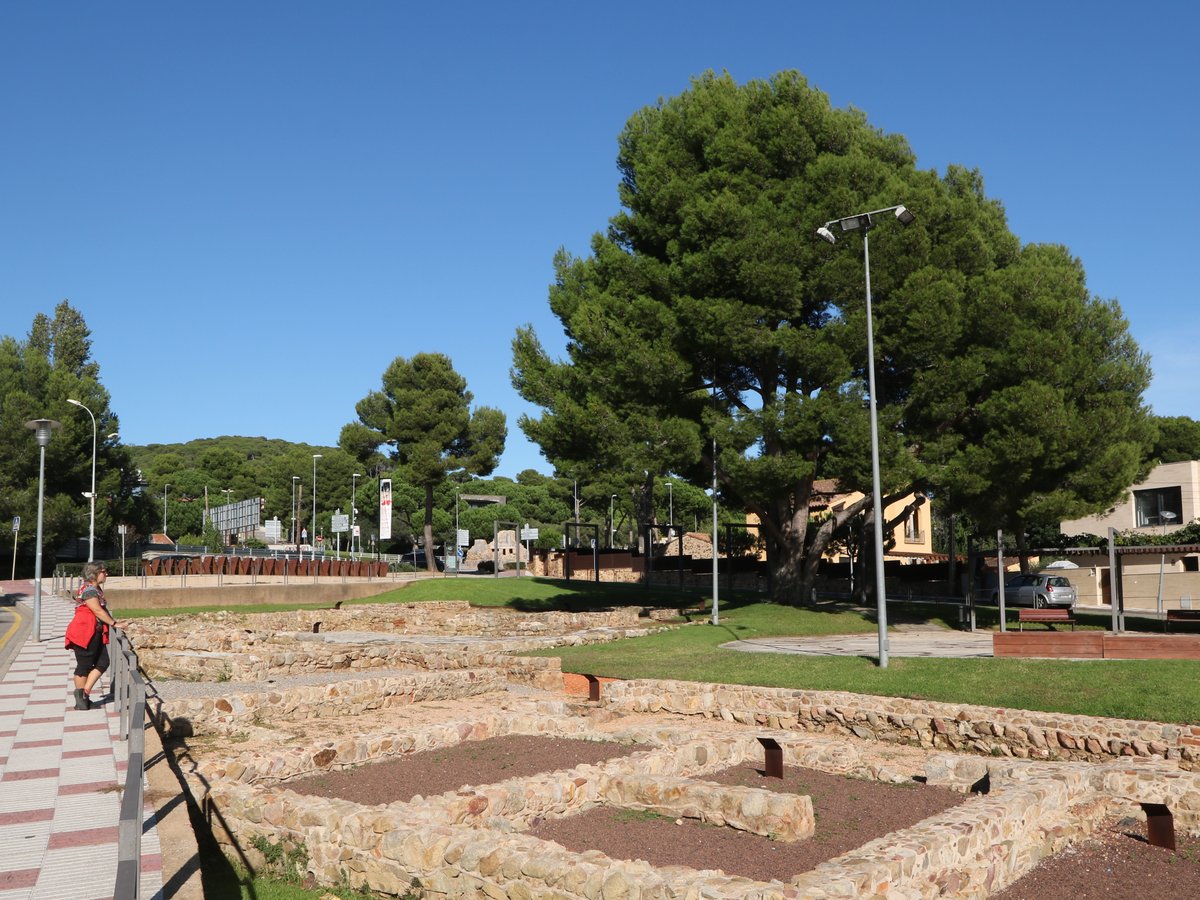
1032, 782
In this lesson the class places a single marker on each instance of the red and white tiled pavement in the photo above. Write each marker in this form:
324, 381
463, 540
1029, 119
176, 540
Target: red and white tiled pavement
61, 774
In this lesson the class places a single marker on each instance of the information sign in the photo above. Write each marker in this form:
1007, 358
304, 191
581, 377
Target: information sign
385, 509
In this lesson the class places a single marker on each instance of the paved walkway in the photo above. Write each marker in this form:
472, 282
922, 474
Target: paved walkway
61, 773
938, 642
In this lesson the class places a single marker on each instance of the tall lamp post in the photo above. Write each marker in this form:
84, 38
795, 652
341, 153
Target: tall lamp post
295, 478
670, 503
92, 495
612, 523
353, 511
315, 457
165, 486
42, 429
864, 222
228, 492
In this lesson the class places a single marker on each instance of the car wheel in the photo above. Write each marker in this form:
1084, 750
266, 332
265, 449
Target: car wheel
1039, 602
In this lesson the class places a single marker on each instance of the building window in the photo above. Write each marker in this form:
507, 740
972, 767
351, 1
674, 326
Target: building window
912, 527
1158, 506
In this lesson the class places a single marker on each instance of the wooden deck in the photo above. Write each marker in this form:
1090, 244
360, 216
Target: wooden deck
1094, 645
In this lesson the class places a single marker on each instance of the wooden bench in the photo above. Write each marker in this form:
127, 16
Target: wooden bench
1047, 617
1180, 615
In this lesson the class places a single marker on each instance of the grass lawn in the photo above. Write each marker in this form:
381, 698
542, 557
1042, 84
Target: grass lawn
1159, 690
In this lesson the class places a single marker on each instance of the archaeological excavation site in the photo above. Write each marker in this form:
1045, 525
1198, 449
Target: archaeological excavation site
412, 751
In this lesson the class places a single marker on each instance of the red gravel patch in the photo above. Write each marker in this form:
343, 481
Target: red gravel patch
434, 772
1116, 862
849, 812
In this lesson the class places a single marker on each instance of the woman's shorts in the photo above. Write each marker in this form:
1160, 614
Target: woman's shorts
94, 656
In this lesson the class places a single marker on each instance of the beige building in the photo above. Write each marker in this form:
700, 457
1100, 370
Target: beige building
1167, 500
913, 536
1152, 577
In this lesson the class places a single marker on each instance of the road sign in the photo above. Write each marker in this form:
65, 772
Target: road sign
529, 534
464, 537
16, 524
341, 522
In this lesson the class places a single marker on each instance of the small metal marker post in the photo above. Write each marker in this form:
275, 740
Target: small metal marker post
593, 687
1160, 825
773, 757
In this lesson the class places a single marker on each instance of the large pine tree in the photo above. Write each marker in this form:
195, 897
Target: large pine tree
422, 420
710, 311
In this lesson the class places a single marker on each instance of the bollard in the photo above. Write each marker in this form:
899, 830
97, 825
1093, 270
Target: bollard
773, 761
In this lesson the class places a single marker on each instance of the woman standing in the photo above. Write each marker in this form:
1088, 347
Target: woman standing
87, 634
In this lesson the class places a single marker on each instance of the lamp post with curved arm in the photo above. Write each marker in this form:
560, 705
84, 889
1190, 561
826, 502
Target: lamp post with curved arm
864, 222
92, 495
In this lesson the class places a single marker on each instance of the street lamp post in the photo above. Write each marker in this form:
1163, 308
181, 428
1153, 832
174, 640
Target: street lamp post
353, 511
670, 503
165, 486
295, 478
864, 222
92, 495
228, 492
315, 457
612, 523
42, 429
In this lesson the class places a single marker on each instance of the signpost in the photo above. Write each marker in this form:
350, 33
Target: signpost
16, 528
527, 534
122, 530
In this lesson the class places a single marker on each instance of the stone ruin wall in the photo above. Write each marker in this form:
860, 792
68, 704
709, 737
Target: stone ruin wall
467, 843
990, 731
1052, 777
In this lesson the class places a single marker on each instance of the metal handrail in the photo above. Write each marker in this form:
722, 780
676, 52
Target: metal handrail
129, 694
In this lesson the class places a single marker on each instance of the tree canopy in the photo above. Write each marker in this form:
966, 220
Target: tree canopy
709, 310
1178, 439
422, 421
37, 377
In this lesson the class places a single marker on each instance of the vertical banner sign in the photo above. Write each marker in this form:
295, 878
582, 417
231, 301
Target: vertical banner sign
385, 509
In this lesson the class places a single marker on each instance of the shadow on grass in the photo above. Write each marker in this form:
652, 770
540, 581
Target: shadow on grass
591, 597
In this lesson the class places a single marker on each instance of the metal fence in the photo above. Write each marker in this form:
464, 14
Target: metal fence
129, 695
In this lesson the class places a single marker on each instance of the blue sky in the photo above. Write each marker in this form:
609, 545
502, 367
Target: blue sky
257, 206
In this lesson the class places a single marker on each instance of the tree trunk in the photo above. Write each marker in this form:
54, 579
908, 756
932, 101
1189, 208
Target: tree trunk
429, 562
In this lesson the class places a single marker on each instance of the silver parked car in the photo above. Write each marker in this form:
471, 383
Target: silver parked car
1039, 591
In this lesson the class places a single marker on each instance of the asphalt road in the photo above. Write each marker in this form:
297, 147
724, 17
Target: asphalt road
15, 622
14, 626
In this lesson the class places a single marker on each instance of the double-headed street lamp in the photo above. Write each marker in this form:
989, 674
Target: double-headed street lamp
42, 429
864, 222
